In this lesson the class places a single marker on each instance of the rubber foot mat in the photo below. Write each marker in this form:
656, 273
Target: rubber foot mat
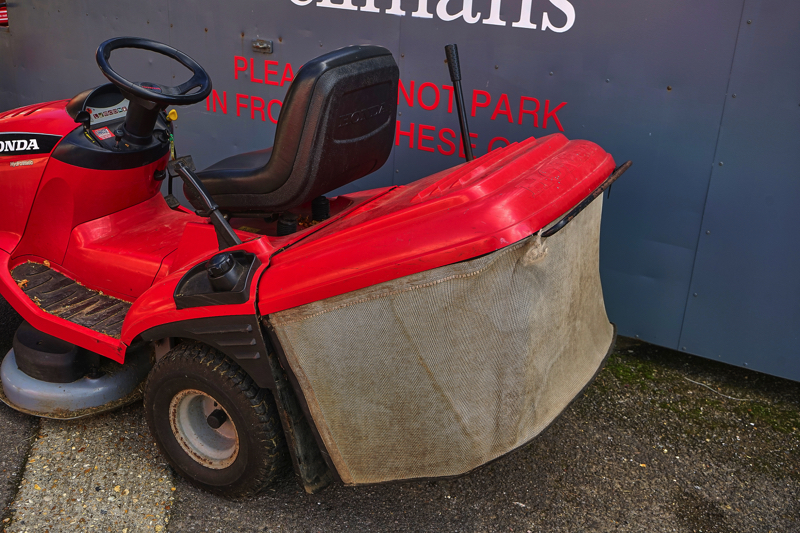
65, 298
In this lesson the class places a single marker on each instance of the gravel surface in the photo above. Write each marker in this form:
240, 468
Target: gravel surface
661, 441
96, 474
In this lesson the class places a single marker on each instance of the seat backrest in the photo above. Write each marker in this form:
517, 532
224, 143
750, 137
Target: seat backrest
336, 125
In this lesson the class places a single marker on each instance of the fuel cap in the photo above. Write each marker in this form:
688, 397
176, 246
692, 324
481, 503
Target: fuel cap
224, 271
220, 264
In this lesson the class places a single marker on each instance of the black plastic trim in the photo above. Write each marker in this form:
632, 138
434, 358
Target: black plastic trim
45, 143
79, 151
79, 101
242, 339
238, 337
555, 228
195, 290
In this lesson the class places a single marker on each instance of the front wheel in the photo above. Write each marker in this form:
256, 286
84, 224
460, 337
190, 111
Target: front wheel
214, 425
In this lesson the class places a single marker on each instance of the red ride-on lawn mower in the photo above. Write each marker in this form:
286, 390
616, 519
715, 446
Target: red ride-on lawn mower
399, 333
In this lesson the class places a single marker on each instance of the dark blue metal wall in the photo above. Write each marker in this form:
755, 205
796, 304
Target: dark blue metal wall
744, 302
707, 209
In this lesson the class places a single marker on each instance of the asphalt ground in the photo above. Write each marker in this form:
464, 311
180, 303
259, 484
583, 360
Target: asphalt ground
661, 441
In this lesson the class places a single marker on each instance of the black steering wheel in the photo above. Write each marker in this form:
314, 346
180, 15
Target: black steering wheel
163, 96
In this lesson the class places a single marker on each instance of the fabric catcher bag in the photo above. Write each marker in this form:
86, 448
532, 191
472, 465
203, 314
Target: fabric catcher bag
437, 373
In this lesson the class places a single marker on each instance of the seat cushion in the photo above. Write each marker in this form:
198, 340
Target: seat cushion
241, 174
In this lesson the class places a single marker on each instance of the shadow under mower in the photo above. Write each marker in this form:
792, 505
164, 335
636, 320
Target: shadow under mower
406, 332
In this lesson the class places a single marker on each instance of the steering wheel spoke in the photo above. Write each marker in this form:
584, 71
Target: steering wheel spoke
171, 91
185, 88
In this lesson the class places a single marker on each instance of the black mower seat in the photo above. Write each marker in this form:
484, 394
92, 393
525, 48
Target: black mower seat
238, 169
336, 125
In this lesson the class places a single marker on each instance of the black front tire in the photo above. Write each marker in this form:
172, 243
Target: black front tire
236, 460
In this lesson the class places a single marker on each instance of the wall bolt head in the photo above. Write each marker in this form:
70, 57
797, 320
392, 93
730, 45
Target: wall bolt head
708, 232
733, 95
551, 72
749, 21
695, 295
720, 163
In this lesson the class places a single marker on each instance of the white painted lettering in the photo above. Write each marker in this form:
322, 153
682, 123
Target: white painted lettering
370, 7
395, 9
22, 144
567, 9
466, 12
494, 14
33, 145
524, 16
422, 10
346, 4
424, 7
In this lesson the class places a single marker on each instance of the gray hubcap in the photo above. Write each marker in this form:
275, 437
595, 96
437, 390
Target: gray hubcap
188, 418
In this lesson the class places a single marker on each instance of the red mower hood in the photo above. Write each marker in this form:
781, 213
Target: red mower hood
455, 215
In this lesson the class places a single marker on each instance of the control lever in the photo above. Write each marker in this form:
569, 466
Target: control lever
184, 167
84, 118
451, 51
118, 134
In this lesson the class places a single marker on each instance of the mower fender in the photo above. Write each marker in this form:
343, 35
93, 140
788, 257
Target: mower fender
238, 337
232, 328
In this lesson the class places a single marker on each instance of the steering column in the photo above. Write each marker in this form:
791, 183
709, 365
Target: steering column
148, 99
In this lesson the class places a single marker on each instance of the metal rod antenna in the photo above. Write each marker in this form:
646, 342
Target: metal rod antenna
451, 51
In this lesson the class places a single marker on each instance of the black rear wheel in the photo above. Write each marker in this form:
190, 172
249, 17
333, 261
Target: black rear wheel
214, 425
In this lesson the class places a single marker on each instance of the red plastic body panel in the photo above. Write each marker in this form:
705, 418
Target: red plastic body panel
20, 182
58, 327
157, 305
19, 190
124, 251
198, 243
69, 196
458, 214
